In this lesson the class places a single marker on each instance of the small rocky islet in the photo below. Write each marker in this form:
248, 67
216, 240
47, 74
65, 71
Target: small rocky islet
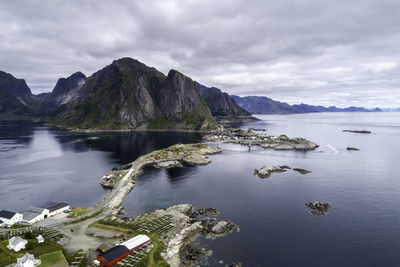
266, 171
318, 208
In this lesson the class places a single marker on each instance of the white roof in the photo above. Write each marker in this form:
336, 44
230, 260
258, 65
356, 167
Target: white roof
136, 241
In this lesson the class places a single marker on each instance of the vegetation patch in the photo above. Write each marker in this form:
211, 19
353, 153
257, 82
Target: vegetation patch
52, 258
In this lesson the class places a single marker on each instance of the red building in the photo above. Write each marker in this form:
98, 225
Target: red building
113, 255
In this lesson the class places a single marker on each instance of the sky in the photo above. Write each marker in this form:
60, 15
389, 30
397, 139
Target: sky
342, 52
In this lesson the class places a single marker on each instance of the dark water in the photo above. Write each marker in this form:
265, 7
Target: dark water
362, 228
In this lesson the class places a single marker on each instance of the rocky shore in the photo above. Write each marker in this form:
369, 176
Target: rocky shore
250, 138
188, 225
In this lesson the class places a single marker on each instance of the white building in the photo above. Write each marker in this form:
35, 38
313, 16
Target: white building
137, 242
40, 239
9, 217
2, 223
35, 214
28, 260
57, 208
16, 243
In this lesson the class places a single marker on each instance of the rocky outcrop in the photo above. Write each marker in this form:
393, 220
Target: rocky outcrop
130, 95
222, 106
318, 208
15, 97
266, 171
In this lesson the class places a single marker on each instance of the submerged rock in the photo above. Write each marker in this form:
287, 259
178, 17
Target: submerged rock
266, 171
302, 171
352, 148
357, 131
318, 208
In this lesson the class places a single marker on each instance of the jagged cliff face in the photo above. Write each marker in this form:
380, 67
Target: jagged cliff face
67, 89
15, 96
220, 103
128, 95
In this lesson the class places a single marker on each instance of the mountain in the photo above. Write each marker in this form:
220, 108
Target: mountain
15, 96
265, 105
221, 105
127, 94
65, 91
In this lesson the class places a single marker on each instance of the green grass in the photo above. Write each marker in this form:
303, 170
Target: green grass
78, 211
53, 258
84, 218
9, 256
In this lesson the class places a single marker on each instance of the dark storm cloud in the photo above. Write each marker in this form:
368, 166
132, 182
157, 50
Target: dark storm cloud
317, 52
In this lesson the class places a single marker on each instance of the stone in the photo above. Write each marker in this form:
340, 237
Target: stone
318, 208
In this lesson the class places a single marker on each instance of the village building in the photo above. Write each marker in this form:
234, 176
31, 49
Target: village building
2, 223
9, 217
28, 260
40, 239
16, 243
35, 214
57, 208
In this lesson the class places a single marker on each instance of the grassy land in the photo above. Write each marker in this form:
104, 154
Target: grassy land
78, 211
9, 256
52, 258
84, 218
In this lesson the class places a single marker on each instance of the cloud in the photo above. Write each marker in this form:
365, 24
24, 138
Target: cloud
318, 52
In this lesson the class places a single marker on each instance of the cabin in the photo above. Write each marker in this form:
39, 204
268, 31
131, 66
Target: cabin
9, 217
35, 214
40, 239
104, 247
57, 208
16, 243
113, 255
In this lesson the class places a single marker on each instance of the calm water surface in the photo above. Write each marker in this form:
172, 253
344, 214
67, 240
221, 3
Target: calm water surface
40, 164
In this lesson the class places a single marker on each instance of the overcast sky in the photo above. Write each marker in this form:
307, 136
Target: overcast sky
338, 52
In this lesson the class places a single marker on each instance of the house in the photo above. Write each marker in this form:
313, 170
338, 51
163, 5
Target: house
2, 223
104, 247
28, 260
9, 217
16, 243
57, 208
40, 239
35, 214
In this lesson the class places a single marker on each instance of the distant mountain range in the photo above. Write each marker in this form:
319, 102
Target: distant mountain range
127, 94
265, 105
